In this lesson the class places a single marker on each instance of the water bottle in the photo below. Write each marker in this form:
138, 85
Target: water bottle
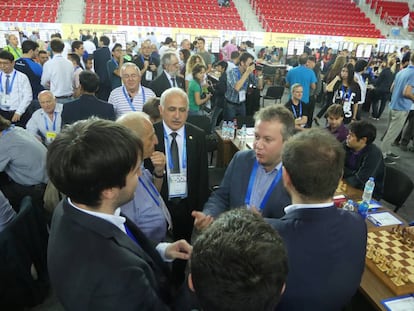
368, 189
349, 206
234, 128
243, 134
363, 209
230, 130
224, 130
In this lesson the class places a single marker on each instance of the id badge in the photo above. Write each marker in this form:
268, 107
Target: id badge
148, 75
177, 185
50, 136
242, 96
4, 101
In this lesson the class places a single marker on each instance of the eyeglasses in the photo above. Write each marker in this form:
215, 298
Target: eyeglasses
5, 63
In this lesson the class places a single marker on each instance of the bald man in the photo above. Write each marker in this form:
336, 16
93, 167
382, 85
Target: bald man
147, 210
46, 122
13, 47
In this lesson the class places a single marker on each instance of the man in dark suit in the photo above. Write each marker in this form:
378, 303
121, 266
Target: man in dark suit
325, 245
87, 105
253, 177
100, 58
168, 78
98, 259
185, 188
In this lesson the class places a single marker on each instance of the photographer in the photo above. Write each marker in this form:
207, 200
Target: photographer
238, 80
195, 91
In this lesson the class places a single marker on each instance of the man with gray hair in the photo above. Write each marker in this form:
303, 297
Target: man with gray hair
147, 209
253, 177
130, 96
168, 78
185, 179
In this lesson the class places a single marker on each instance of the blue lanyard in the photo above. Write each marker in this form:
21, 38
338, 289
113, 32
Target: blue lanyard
168, 147
269, 191
294, 110
54, 122
129, 100
150, 192
344, 93
239, 77
129, 233
8, 91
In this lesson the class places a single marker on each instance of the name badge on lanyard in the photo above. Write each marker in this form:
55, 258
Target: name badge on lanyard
50, 134
148, 75
177, 182
242, 92
5, 94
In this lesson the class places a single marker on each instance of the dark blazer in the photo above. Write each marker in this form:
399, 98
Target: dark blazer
233, 188
100, 58
93, 265
85, 107
161, 83
197, 165
326, 257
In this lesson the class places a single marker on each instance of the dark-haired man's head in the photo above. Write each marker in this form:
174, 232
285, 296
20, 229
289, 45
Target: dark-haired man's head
30, 49
104, 41
238, 263
89, 82
57, 45
313, 162
335, 116
361, 133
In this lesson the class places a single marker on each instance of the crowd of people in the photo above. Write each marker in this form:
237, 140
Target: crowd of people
138, 227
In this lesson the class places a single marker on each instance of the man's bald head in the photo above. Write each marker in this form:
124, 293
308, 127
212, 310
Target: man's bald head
141, 125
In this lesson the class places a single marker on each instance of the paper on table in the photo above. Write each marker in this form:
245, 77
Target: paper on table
250, 131
383, 219
403, 303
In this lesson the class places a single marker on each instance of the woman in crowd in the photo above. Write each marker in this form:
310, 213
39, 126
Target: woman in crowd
195, 92
192, 61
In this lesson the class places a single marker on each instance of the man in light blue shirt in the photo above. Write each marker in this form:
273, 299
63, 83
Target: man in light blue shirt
400, 105
147, 210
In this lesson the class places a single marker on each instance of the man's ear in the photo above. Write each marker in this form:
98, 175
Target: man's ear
160, 108
109, 193
190, 283
286, 178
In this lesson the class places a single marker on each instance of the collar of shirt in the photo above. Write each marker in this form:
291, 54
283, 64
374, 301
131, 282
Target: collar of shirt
276, 168
294, 207
115, 219
10, 74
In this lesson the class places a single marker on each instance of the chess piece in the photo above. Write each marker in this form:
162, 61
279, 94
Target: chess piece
384, 264
391, 271
370, 251
398, 277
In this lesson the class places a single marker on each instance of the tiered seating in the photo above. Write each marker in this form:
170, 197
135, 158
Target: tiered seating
391, 12
163, 13
29, 11
316, 17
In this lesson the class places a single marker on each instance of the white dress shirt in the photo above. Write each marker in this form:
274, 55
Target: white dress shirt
40, 122
58, 76
20, 95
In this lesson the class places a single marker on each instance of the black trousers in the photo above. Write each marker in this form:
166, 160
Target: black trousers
183, 223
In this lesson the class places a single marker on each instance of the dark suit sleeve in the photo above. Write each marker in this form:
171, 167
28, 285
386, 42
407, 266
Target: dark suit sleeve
111, 113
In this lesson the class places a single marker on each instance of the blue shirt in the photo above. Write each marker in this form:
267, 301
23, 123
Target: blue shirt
232, 77
404, 78
262, 183
305, 77
144, 211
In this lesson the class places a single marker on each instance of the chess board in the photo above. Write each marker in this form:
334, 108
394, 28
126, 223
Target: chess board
390, 256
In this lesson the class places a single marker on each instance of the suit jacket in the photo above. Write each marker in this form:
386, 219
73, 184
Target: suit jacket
100, 58
93, 265
197, 165
326, 257
85, 107
161, 83
233, 188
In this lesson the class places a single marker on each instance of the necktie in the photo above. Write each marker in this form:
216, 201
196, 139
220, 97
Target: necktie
174, 154
173, 82
7, 84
